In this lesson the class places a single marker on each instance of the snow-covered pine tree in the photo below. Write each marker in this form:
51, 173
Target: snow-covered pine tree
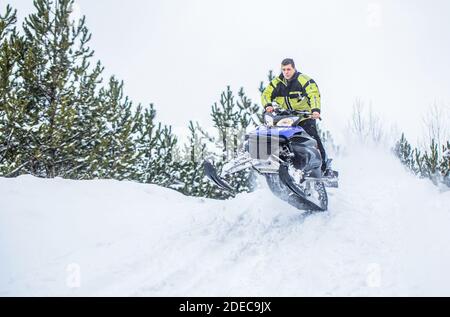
270, 77
52, 92
328, 142
56, 120
419, 163
162, 166
189, 164
59, 120
191, 178
231, 119
444, 165
146, 143
155, 146
113, 154
11, 109
404, 152
432, 164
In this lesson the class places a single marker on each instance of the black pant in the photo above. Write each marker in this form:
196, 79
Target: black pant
310, 127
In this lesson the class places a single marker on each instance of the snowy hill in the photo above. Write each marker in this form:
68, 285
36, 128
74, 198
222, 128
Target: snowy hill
386, 233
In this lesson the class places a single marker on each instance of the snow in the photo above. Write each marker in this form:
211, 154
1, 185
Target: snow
386, 233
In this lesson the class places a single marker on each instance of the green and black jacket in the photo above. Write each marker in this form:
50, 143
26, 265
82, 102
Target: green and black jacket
300, 93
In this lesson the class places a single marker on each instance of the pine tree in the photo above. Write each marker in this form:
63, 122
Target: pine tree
114, 155
191, 177
444, 165
419, 163
403, 151
231, 119
156, 145
59, 122
52, 94
328, 141
56, 119
270, 77
163, 166
431, 161
11, 110
434, 164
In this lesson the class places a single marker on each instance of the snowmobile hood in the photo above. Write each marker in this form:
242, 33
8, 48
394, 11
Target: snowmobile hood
286, 132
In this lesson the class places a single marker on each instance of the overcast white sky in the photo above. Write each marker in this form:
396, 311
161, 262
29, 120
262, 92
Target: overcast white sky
180, 54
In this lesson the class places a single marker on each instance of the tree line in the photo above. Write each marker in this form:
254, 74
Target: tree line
60, 118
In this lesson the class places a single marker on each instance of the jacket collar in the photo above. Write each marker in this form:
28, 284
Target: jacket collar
281, 77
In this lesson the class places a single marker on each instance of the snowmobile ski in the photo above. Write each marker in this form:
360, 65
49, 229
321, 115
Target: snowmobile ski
288, 181
211, 173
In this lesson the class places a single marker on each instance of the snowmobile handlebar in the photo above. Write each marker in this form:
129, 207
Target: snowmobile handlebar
291, 112
286, 112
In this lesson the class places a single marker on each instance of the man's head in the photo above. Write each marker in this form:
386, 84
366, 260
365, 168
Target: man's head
288, 68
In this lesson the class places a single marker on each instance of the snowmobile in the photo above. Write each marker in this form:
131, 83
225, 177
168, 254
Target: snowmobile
287, 156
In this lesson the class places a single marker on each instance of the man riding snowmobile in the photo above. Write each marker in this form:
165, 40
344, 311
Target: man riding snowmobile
292, 90
286, 148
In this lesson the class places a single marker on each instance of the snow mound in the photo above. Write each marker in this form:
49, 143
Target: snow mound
386, 233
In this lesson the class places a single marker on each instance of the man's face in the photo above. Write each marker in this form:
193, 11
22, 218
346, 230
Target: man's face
288, 71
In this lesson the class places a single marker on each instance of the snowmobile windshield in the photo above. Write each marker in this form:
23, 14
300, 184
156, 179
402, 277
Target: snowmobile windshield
285, 118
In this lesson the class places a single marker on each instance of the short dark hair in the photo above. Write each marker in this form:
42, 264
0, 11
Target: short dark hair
288, 61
